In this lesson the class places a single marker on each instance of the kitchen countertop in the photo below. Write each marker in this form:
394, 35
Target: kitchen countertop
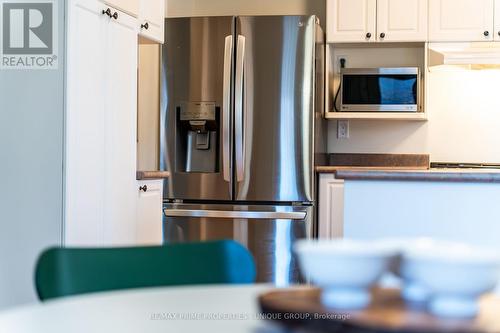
413, 174
146, 175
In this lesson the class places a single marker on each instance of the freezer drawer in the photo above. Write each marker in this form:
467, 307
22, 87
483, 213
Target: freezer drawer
267, 231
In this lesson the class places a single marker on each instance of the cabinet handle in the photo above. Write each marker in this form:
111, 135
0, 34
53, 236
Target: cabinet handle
382, 35
145, 26
107, 12
143, 188
115, 15
368, 35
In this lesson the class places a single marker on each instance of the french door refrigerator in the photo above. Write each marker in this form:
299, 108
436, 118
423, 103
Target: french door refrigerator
241, 110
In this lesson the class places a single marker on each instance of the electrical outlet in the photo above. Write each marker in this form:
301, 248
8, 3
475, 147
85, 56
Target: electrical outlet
337, 63
343, 129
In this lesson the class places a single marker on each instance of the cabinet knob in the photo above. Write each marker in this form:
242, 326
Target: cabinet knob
368, 35
107, 12
486, 33
145, 26
115, 15
499, 33
382, 35
143, 188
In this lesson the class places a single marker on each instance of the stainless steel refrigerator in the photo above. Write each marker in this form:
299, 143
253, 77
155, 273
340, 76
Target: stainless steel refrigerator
241, 127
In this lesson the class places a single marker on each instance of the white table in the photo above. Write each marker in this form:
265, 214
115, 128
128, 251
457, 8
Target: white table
145, 310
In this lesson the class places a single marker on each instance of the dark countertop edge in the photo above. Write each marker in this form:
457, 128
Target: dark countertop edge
335, 168
439, 175
416, 161
150, 175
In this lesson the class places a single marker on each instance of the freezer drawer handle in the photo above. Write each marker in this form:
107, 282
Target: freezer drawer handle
235, 214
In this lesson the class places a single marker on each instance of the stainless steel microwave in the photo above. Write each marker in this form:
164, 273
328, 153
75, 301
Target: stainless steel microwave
380, 89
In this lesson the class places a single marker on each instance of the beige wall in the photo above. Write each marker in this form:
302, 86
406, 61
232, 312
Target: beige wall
179, 8
463, 124
148, 103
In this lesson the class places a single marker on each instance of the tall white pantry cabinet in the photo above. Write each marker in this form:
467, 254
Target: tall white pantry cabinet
101, 192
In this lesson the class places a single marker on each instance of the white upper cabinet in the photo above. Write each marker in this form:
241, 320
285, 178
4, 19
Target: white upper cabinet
130, 7
402, 20
497, 20
152, 19
461, 20
351, 20
376, 20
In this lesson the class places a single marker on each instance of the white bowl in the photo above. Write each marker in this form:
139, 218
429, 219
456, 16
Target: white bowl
344, 269
411, 290
455, 274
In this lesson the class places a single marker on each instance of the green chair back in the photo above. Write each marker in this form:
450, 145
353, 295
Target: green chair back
65, 271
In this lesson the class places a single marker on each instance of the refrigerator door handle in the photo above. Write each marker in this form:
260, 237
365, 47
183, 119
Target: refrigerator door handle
238, 106
226, 108
250, 215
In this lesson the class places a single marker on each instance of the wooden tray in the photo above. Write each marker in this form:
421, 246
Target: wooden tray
301, 307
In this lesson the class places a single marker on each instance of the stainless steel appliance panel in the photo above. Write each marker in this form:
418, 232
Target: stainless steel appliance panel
380, 89
196, 108
320, 123
267, 231
274, 108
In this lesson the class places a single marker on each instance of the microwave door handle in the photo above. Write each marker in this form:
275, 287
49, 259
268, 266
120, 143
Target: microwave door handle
238, 105
248, 215
226, 108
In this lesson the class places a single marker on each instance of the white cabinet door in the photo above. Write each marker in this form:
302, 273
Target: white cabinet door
497, 20
351, 20
402, 20
130, 7
149, 212
152, 19
461, 20
121, 119
101, 97
85, 124
331, 207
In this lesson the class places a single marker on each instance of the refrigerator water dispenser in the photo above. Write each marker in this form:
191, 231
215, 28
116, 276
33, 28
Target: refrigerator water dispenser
198, 144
